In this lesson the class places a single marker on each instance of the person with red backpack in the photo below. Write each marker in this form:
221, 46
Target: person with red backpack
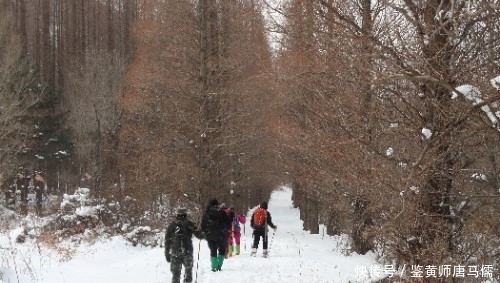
261, 218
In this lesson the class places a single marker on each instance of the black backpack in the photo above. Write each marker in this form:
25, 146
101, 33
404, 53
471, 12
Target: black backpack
214, 221
181, 239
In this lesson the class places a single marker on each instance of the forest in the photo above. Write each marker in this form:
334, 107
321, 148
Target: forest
382, 115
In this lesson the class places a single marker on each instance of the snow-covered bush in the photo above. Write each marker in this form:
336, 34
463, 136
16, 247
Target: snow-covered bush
144, 236
82, 219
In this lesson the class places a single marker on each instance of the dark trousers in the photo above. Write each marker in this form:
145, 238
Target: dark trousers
257, 234
176, 267
217, 246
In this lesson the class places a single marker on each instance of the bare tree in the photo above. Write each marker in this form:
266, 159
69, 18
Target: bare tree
400, 64
20, 95
197, 86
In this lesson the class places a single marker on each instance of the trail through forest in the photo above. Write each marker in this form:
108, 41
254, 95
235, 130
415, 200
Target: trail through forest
295, 256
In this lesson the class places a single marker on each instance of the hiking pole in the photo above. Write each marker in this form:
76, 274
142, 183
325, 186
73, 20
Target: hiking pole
244, 236
197, 262
271, 242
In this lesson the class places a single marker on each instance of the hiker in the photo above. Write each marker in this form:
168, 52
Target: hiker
261, 218
214, 224
235, 234
229, 229
179, 245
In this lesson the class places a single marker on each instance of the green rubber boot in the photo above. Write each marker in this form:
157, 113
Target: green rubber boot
220, 260
229, 251
214, 263
237, 250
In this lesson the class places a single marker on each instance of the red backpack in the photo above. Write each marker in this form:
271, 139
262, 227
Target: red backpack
259, 217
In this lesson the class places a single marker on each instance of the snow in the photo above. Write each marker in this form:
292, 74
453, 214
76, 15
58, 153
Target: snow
427, 133
495, 82
473, 94
295, 256
470, 92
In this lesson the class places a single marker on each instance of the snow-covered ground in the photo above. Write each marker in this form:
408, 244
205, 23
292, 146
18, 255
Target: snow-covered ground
295, 256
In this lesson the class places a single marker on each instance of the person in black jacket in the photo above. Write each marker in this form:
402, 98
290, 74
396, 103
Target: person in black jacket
179, 245
260, 231
214, 225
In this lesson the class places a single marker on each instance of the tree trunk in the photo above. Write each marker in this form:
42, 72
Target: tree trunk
209, 99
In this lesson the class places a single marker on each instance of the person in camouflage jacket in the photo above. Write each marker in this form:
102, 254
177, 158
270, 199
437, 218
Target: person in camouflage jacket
179, 245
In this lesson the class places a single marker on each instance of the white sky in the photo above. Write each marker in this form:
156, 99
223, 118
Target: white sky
295, 256
273, 16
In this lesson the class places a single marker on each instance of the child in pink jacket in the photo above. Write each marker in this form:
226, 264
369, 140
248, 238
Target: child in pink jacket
233, 241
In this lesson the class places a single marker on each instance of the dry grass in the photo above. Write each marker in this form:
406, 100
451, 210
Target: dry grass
49, 241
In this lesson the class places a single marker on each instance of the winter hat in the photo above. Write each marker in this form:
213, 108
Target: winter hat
214, 201
181, 212
263, 205
223, 206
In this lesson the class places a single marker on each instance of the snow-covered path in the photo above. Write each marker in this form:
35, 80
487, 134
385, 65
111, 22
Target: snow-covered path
295, 256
